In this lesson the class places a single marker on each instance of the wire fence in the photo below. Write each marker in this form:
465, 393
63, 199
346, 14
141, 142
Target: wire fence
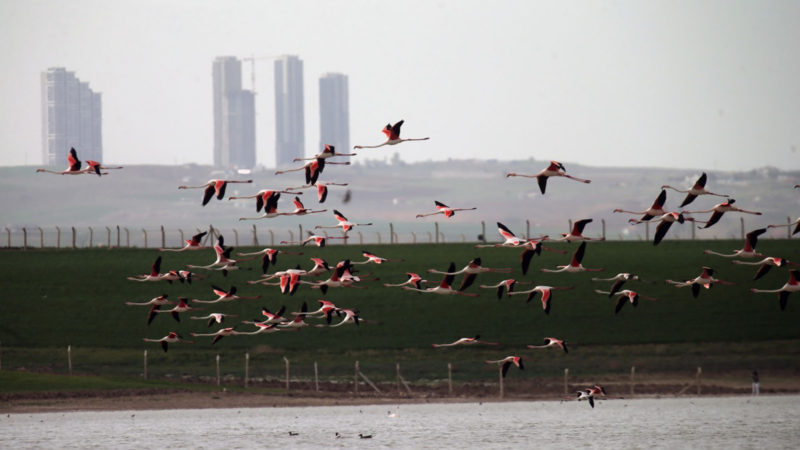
162, 237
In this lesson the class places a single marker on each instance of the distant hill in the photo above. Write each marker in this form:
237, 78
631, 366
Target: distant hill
147, 197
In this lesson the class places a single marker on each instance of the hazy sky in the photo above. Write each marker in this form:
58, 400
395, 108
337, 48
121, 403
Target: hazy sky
694, 84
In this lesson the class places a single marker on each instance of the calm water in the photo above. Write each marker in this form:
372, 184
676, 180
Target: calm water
733, 422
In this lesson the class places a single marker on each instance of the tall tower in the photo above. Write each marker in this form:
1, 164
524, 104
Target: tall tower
289, 112
334, 111
71, 117
234, 116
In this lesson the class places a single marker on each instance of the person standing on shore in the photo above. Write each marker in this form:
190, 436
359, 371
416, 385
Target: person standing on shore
756, 384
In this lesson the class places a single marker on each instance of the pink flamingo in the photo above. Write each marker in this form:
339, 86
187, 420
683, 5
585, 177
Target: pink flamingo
470, 272
590, 393
191, 244
506, 362
657, 209
322, 189
344, 224
576, 234
444, 209
555, 169
466, 341
350, 316
552, 342
226, 296
328, 152
312, 169
182, 306
154, 274
263, 196
705, 279
413, 280
74, 167
171, 338
575, 264
796, 224
219, 334
793, 285
392, 133
664, 224
268, 256
444, 286
699, 188
325, 310
547, 295
213, 318
749, 249
619, 280
766, 264
720, 209
625, 295
373, 258
214, 187
503, 286
160, 301
319, 241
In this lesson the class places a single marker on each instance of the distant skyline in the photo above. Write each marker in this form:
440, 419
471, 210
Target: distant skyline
711, 85
289, 110
334, 112
234, 116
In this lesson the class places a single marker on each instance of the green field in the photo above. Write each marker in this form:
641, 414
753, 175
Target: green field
55, 298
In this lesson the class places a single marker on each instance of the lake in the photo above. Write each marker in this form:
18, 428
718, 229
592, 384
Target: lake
718, 422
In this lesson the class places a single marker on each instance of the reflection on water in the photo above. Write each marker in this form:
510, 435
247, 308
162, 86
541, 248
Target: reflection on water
732, 422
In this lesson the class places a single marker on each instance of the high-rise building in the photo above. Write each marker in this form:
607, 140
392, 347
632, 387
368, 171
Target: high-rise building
234, 116
289, 112
334, 111
71, 117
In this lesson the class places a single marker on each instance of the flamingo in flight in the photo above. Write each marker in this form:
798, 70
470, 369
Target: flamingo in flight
466, 341
160, 301
555, 169
219, 334
766, 264
506, 362
470, 272
344, 224
215, 187
263, 196
226, 296
796, 224
182, 306
531, 246
299, 210
223, 263
320, 266
373, 258
444, 209
270, 208
749, 249
191, 244
317, 240
793, 285
413, 280
312, 169
342, 277
154, 274
504, 286
547, 295
576, 234
350, 316
719, 209
657, 209
552, 342
326, 310
271, 318
74, 167
510, 239
625, 295
575, 264
322, 189
590, 393
665, 221
298, 322
171, 338
328, 152
699, 188
268, 256
705, 279
444, 286
219, 249
619, 280
213, 318
392, 133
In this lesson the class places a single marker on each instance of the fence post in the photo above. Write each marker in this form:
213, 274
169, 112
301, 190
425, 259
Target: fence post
287, 372
450, 379
699, 378
163, 237
483, 231
117, 236
8, 235
291, 236
316, 377
566, 381
246, 369
255, 236
300, 232
69, 359
569, 222
58, 237
145, 237
500, 373
218, 378
527, 229
145, 364
397, 366
647, 231
436, 229
91, 237
603, 223
108, 235
360, 239
379, 236
430, 237
463, 238
633, 381
1, 355
235, 237
271, 238
693, 231
127, 238
24, 238
788, 229
413, 237
391, 233
41, 237
355, 378
74, 236
181, 233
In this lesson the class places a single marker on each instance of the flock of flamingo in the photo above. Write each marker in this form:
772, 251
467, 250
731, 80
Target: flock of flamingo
343, 273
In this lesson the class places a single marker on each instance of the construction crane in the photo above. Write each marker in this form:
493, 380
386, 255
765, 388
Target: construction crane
252, 60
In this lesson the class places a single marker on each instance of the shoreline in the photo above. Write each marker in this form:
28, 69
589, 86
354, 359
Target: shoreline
138, 400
